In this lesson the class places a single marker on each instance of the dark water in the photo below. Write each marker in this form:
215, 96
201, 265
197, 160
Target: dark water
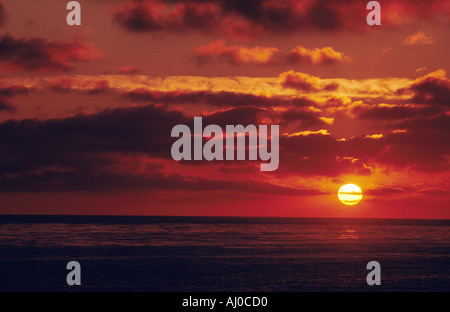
222, 254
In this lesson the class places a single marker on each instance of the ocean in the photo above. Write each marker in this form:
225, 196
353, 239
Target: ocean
222, 254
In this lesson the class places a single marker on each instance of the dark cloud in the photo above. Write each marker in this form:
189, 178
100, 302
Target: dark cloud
246, 108
233, 185
331, 86
433, 90
2, 14
6, 93
423, 147
72, 150
139, 129
100, 180
6, 106
422, 144
322, 154
182, 16
394, 112
418, 150
217, 99
239, 115
257, 16
292, 15
86, 152
213, 16
424, 111
13, 90
41, 55
384, 190
429, 125
308, 118
434, 191
154, 15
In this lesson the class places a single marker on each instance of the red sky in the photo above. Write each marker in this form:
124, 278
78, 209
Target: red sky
86, 111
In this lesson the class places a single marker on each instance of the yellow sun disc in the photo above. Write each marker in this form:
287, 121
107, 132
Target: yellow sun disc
350, 194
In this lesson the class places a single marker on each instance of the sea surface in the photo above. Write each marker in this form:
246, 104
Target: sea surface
165, 254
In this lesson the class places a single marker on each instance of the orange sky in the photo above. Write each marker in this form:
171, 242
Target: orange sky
86, 111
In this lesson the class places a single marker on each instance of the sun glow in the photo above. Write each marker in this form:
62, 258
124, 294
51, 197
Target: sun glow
350, 194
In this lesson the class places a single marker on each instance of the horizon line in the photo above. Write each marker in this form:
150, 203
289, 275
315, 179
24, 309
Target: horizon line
212, 216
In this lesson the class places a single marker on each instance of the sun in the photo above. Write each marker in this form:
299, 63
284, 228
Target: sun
350, 194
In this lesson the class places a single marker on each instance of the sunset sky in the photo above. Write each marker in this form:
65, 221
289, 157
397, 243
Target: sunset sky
86, 111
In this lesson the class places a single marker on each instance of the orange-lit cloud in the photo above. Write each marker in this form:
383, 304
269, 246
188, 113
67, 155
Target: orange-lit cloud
240, 54
305, 82
236, 54
317, 56
66, 84
258, 86
365, 98
419, 38
420, 69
